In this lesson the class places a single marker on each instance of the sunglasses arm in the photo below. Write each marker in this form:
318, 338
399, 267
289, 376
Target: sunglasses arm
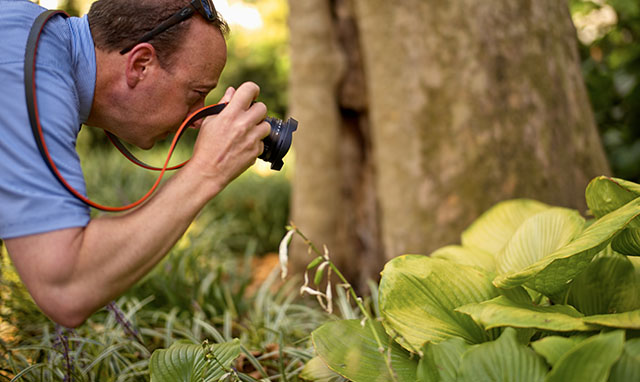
177, 18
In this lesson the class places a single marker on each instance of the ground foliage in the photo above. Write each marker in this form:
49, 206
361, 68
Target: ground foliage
214, 285
532, 293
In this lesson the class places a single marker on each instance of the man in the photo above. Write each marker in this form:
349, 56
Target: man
98, 70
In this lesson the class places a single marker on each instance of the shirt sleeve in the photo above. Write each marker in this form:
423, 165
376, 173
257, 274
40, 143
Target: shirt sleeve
32, 200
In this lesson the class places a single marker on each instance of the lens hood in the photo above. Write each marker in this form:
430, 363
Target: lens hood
277, 144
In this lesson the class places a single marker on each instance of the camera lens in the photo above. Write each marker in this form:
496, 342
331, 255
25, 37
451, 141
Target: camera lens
277, 144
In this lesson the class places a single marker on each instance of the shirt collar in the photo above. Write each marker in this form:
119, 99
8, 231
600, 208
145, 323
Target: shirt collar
84, 63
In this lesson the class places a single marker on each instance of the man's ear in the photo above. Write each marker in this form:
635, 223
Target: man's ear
140, 61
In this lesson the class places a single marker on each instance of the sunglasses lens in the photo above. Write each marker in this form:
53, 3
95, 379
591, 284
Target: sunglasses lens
209, 9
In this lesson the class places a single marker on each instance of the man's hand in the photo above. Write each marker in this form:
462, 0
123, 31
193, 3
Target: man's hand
230, 142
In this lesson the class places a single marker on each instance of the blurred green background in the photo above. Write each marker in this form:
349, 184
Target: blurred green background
609, 35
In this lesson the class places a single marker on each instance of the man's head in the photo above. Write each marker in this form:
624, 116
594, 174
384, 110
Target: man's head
116, 24
146, 92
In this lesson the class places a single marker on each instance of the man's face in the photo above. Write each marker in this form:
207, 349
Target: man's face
177, 91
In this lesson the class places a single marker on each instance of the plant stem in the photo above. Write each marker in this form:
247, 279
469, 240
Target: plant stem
355, 298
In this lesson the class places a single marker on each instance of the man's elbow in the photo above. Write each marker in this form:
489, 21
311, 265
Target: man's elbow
67, 319
63, 309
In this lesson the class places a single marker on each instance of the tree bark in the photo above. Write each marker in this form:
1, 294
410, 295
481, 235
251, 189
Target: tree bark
334, 190
417, 116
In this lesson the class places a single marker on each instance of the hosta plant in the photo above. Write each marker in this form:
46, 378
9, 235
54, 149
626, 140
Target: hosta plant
185, 361
532, 293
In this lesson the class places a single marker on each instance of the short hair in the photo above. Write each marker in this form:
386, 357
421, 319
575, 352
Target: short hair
117, 23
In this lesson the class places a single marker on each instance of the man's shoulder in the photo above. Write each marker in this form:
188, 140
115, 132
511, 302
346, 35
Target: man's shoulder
16, 19
18, 13
20, 5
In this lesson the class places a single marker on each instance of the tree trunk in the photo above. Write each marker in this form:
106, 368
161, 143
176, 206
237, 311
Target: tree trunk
417, 116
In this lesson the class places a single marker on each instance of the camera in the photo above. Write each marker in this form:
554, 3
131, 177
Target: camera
277, 144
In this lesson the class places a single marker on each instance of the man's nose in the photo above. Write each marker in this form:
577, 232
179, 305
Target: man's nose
196, 107
196, 124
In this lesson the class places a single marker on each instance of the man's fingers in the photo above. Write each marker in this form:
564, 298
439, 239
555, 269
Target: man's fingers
228, 94
258, 112
263, 129
243, 97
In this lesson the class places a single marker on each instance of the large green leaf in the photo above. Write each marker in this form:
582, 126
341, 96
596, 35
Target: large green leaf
493, 229
553, 348
539, 236
317, 371
608, 285
628, 366
467, 256
605, 194
626, 320
186, 362
440, 362
502, 311
350, 349
551, 274
590, 360
628, 242
504, 359
418, 296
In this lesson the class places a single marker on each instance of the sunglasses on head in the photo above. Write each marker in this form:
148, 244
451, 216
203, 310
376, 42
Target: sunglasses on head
203, 7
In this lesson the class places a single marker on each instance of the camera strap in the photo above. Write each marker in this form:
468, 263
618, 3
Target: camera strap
29, 83
206, 111
36, 128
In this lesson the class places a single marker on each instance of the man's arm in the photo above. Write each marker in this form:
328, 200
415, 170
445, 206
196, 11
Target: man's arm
73, 272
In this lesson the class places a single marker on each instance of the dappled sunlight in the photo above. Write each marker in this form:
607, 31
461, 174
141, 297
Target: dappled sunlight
262, 168
594, 24
50, 4
240, 13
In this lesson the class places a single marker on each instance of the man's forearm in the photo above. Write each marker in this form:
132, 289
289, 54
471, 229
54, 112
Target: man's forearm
72, 273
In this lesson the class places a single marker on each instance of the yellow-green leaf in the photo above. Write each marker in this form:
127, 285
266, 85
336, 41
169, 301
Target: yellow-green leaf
626, 320
502, 360
628, 366
627, 242
502, 311
350, 349
317, 371
493, 229
440, 362
553, 348
605, 194
538, 237
467, 256
590, 360
418, 297
551, 274
609, 285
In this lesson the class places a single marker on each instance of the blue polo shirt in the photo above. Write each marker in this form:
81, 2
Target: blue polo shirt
31, 198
